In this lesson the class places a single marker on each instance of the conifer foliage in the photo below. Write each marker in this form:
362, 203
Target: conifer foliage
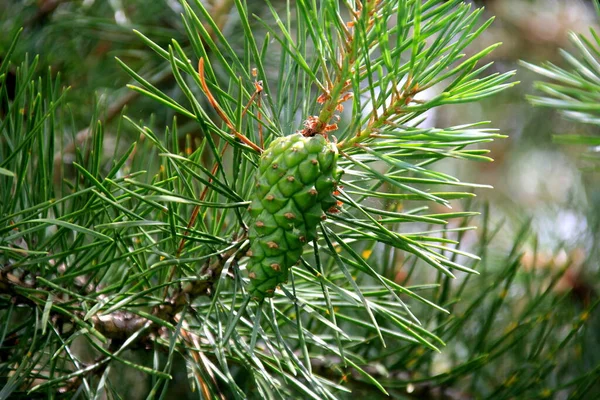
294, 169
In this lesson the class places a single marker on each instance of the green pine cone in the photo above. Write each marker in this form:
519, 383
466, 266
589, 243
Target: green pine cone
295, 181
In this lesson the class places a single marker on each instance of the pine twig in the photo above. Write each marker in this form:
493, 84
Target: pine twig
121, 324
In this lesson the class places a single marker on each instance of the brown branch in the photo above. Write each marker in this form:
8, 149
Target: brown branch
121, 324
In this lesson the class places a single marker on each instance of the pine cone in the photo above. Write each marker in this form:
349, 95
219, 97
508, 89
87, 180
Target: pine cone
294, 184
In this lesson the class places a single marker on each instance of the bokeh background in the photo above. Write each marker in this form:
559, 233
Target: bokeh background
534, 178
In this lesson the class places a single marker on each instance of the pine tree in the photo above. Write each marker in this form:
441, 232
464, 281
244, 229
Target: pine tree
121, 269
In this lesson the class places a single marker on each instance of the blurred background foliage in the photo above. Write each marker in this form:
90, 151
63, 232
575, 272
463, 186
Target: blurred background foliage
545, 198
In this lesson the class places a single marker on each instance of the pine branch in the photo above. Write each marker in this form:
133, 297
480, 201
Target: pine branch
122, 324
146, 248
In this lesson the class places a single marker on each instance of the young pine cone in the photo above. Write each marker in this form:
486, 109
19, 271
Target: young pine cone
295, 181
